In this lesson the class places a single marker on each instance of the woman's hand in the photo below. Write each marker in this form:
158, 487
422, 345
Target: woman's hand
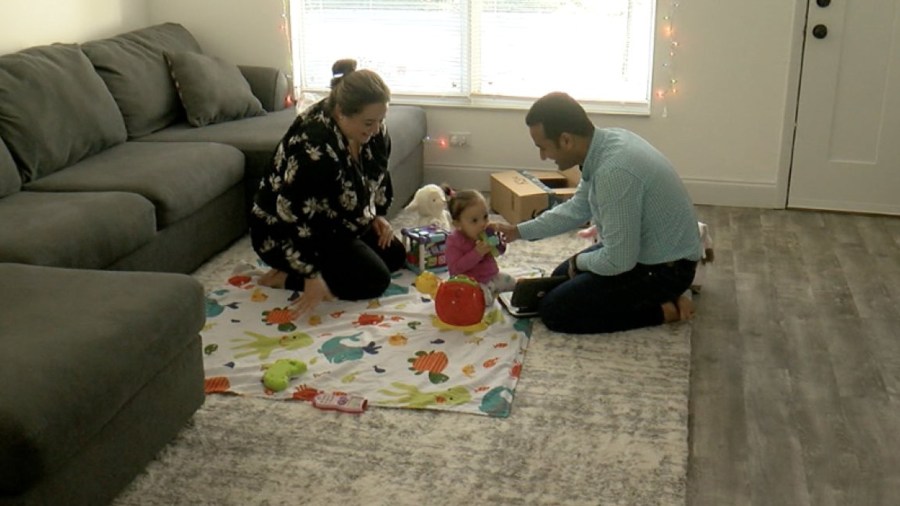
384, 230
314, 292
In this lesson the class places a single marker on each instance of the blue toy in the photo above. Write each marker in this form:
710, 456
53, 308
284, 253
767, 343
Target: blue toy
490, 236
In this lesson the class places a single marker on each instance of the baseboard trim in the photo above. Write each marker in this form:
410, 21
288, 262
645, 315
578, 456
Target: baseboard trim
734, 193
703, 191
844, 206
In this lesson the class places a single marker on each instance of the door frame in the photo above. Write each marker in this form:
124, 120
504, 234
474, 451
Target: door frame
792, 99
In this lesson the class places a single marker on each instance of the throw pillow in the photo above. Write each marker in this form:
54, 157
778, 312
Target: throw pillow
211, 89
137, 74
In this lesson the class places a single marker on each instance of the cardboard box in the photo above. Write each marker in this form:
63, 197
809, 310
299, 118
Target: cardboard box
519, 195
425, 248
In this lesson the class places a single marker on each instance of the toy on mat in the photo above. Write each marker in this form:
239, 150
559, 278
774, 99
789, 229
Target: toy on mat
492, 238
427, 282
425, 248
459, 301
340, 402
430, 201
278, 375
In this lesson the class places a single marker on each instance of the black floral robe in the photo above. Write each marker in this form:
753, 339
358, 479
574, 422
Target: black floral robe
315, 192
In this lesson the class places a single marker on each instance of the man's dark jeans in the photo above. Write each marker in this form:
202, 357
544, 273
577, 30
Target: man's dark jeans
590, 303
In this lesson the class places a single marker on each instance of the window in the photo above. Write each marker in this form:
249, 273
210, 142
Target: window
483, 52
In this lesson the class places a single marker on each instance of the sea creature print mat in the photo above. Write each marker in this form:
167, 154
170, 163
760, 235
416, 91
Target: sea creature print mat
390, 352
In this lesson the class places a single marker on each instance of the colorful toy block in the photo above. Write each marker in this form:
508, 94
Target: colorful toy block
425, 248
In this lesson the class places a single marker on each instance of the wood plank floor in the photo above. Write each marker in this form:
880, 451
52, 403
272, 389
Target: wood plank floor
795, 368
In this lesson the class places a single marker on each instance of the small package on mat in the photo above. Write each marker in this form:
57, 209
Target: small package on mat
340, 402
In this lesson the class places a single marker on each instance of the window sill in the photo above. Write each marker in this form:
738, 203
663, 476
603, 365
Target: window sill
504, 103
488, 103
485, 103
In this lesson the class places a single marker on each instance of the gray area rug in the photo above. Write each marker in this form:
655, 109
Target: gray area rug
597, 420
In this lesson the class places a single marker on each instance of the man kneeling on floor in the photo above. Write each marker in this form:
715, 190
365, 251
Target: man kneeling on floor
639, 275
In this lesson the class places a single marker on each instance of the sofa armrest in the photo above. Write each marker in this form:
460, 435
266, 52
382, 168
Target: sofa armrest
268, 84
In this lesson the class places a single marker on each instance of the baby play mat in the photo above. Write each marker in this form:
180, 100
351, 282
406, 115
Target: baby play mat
392, 351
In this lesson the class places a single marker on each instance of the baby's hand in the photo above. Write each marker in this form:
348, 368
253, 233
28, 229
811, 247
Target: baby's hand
482, 248
492, 238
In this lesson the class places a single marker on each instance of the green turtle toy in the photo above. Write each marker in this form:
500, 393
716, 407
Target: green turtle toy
278, 375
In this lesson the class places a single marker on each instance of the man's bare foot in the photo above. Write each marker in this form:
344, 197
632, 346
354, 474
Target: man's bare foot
685, 307
273, 279
681, 309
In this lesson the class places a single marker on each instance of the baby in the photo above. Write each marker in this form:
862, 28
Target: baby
471, 247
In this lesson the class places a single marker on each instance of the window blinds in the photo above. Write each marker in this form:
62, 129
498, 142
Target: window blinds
596, 50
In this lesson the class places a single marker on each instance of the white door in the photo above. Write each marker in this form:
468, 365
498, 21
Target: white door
847, 145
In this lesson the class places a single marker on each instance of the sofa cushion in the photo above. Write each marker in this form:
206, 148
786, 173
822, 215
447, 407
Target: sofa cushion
178, 178
256, 137
211, 89
77, 346
134, 68
10, 182
54, 109
80, 230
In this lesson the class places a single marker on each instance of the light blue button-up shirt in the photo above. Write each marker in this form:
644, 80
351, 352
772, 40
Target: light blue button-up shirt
638, 202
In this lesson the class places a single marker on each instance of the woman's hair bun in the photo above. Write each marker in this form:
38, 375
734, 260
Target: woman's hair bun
341, 68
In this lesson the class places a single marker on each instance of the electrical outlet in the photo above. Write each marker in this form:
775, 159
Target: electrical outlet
459, 139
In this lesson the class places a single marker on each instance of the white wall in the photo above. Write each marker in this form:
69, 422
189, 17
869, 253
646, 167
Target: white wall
25, 23
245, 32
728, 131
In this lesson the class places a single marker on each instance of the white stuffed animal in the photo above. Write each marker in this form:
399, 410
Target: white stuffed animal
430, 202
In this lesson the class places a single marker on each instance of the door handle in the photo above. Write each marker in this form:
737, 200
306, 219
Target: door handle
823, 3
820, 31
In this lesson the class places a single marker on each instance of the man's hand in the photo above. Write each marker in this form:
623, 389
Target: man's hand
508, 232
384, 230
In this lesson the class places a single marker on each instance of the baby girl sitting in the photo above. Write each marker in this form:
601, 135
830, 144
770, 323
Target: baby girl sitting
471, 247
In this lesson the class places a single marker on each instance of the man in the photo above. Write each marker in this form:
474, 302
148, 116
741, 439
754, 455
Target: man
639, 271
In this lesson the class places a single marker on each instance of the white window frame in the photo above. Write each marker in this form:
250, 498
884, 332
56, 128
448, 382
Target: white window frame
475, 100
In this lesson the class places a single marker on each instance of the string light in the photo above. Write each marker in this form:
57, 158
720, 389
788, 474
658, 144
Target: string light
290, 99
671, 82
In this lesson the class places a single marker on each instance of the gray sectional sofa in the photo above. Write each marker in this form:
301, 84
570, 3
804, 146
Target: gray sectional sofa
133, 153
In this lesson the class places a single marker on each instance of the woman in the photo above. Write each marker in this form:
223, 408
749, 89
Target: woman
318, 216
